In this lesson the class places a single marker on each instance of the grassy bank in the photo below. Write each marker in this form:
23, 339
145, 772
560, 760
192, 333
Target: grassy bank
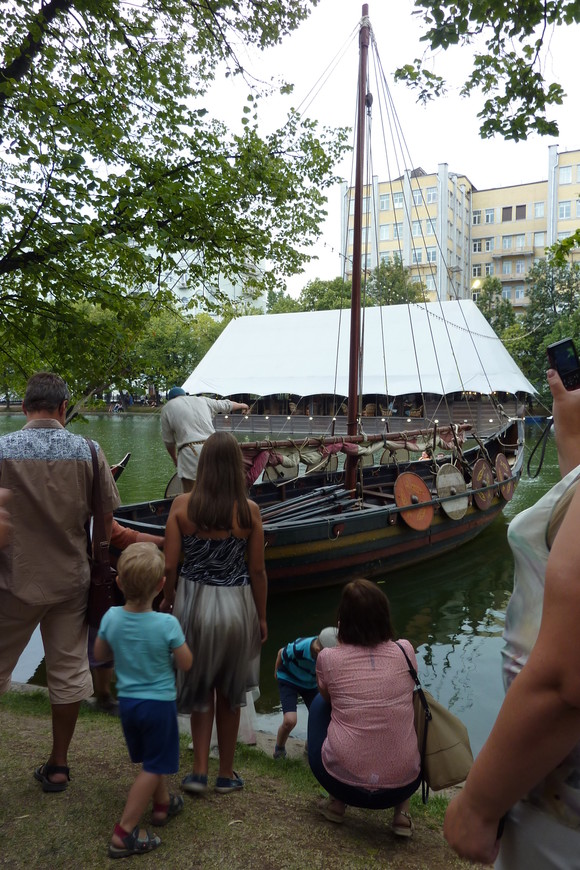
272, 825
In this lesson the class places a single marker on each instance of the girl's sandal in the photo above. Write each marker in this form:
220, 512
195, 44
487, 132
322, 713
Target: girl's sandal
403, 830
163, 813
133, 844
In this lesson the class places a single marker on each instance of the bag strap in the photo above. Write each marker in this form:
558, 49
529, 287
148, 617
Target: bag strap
420, 691
428, 717
99, 553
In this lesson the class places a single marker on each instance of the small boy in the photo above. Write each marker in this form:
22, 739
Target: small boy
295, 671
146, 646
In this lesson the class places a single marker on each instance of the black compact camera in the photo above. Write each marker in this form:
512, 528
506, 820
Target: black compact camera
563, 357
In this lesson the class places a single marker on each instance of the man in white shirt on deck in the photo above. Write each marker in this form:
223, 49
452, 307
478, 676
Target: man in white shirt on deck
186, 423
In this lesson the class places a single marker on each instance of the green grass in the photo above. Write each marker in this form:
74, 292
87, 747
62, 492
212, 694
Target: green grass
273, 824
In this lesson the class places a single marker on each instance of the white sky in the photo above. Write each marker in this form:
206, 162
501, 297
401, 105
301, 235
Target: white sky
446, 131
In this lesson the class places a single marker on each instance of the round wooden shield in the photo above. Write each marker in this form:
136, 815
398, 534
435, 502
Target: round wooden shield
174, 487
411, 489
503, 473
482, 476
450, 482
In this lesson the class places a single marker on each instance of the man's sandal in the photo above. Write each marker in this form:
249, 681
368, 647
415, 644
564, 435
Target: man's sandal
45, 771
166, 812
133, 844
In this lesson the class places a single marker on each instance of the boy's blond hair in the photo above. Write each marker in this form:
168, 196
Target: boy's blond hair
140, 569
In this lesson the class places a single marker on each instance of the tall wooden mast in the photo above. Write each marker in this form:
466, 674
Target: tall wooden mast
355, 309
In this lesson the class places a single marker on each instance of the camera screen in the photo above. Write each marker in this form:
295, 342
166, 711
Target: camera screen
565, 359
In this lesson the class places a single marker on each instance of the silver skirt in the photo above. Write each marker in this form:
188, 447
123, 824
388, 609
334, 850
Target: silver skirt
222, 630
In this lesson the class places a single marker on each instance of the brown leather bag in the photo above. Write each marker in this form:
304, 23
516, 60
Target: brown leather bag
102, 587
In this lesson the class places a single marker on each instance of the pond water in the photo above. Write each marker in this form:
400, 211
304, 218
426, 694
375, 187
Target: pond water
452, 608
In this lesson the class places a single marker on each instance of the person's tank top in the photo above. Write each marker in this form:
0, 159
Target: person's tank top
559, 793
215, 561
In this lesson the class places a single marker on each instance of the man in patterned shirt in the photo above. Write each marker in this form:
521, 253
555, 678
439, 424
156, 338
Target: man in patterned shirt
44, 579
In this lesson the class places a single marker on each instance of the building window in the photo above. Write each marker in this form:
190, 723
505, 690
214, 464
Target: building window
351, 206
475, 295
384, 202
477, 216
366, 261
430, 283
476, 271
506, 293
578, 208
520, 267
520, 212
490, 215
384, 256
564, 209
538, 209
417, 196
398, 199
458, 238
489, 244
506, 267
520, 240
398, 231
366, 205
416, 229
477, 246
506, 242
565, 174
431, 255
539, 240
520, 291
351, 238
506, 213
430, 226
488, 269
564, 234
384, 232
418, 256
431, 194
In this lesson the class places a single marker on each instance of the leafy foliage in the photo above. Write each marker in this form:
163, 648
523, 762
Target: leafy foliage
116, 184
498, 311
509, 68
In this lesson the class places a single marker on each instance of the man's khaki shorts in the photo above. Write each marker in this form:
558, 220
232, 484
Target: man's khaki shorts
64, 637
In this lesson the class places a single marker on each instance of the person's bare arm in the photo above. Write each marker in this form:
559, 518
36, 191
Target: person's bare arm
257, 568
240, 406
172, 550
278, 661
183, 657
539, 722
102, 651
172, 450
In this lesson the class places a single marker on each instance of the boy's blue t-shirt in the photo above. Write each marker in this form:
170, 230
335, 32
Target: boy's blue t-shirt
142, 644
298, 665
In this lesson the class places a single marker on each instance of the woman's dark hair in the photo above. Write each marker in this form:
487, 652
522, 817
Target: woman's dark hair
45, 391
364, 615
220, 484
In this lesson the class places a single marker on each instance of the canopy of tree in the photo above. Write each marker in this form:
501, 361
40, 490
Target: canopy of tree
509, 44
553, 313
116, 182
388, 284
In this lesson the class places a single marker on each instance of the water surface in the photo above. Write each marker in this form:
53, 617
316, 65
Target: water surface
451, 608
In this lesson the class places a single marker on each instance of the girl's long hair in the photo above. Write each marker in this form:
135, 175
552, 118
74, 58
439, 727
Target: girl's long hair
219, 486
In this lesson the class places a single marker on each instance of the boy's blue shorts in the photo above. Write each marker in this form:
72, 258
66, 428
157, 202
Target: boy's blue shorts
289, 696
151, 733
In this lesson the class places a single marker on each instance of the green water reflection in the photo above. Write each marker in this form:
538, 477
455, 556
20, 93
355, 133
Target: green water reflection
452, 608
